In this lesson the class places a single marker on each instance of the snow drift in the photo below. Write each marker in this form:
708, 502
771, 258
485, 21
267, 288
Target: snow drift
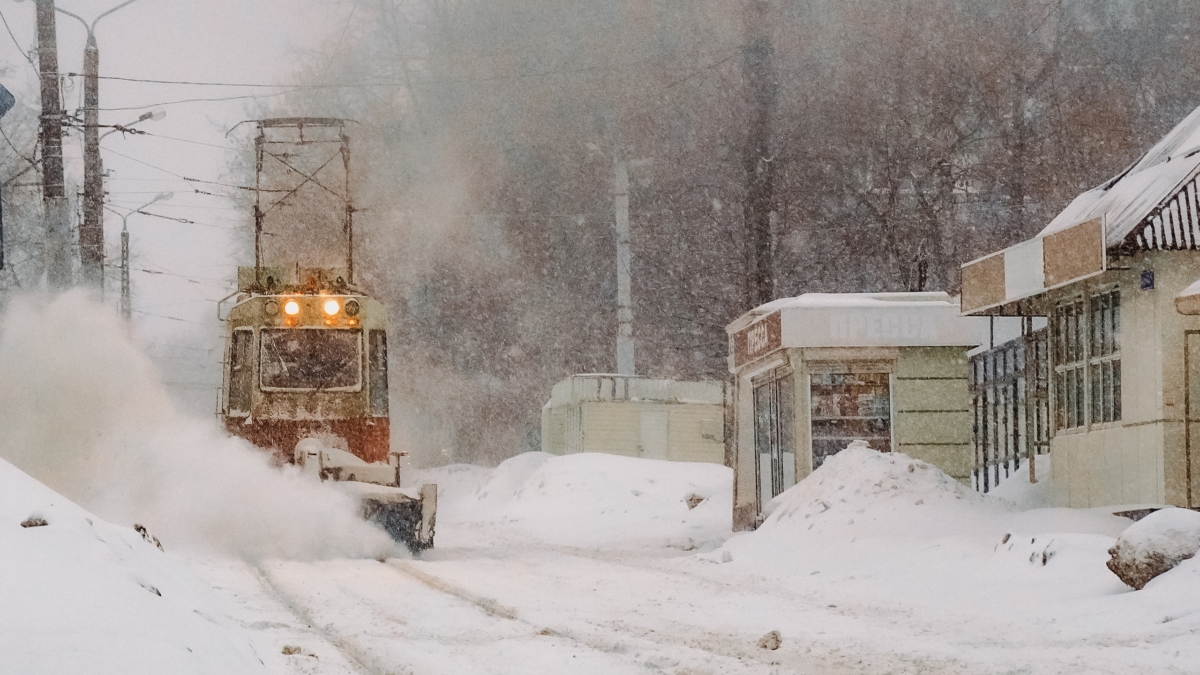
590, 500
82, 411
83, 596
889, 491
883, 534
1155, 545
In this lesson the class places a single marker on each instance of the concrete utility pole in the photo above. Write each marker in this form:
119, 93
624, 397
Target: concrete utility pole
759, 165
126, 300
91, 231
6, 103
54, 196
624, 284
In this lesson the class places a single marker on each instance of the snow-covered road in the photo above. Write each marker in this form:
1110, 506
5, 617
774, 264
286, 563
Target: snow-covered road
597, 564
928, 580
521, 608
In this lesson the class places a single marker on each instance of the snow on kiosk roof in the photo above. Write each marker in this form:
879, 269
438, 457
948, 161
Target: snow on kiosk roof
929, 319
1152, 205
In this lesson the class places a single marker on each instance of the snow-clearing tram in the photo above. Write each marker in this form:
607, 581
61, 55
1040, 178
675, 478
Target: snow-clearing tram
305, 369
306, 378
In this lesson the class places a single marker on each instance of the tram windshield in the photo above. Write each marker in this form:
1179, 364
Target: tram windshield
314, 359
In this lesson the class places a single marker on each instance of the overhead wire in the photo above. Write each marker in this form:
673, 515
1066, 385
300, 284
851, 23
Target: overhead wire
249, 85
201, 100
163, 270
190, 280
14, 39
172, 318
185, 221
194, 180
293, 88
186, 140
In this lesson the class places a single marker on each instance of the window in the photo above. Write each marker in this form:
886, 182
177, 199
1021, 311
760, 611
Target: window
849, 406
1104, 360
311, 358
774, 415
1087, 360
378, 372
241, 373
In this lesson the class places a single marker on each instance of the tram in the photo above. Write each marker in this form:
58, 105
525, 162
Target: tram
305, 370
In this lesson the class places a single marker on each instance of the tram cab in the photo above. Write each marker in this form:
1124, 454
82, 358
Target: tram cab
307, 360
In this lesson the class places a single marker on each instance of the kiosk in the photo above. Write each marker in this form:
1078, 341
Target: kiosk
815, 372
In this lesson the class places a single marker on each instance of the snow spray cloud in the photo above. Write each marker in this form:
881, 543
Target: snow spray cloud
83, 411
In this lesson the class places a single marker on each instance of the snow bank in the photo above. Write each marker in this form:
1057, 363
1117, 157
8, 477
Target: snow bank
592, 500
83, 411
887, 492
883, 529
1018, 491
80, 595
456, 486
1155, 545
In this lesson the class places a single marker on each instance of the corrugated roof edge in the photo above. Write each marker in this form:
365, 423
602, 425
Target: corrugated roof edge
1127, 199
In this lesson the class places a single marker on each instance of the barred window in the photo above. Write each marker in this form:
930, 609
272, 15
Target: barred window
1070, 359
1104, 361
1087, 360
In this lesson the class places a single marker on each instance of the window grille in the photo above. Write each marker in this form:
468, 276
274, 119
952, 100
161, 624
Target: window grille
1011, 406
1087, 360
1104, 361
1070, 361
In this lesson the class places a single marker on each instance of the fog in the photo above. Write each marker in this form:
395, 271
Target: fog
773, 148
83, 411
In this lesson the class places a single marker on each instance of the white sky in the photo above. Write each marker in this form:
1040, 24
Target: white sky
237, 41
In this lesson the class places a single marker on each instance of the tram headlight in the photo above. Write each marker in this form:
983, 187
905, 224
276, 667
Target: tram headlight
332, 307
291, 308
271, 307
351, 308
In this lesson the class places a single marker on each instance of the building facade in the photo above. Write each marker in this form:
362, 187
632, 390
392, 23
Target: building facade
815, 372
635, 417
1111, 275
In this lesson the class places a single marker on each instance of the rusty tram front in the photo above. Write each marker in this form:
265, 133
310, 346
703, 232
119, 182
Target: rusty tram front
308, 364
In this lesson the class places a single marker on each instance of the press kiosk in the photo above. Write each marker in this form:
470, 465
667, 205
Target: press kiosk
815, 372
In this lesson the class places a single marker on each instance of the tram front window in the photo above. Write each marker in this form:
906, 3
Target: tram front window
311, 359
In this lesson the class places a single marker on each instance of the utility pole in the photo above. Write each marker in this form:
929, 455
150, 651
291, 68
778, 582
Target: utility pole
54, 196
6, 103
759, 166
91, 231
624, 286
126, 304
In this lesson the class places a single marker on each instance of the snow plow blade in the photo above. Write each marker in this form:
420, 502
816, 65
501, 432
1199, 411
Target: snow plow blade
407, 517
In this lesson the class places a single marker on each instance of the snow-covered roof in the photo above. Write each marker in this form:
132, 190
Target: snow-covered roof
853, 300
1126, 200
928, 319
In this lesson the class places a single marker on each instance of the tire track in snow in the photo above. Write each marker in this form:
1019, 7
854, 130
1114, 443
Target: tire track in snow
349, 602
801, 653
347, 650
613, 636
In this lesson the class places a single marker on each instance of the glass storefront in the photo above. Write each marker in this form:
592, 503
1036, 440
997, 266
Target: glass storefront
848, 407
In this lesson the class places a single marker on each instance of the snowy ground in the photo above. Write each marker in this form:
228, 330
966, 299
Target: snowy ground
581, 564
596, 564
868, 567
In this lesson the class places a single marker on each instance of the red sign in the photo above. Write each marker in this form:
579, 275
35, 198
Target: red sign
757, 340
